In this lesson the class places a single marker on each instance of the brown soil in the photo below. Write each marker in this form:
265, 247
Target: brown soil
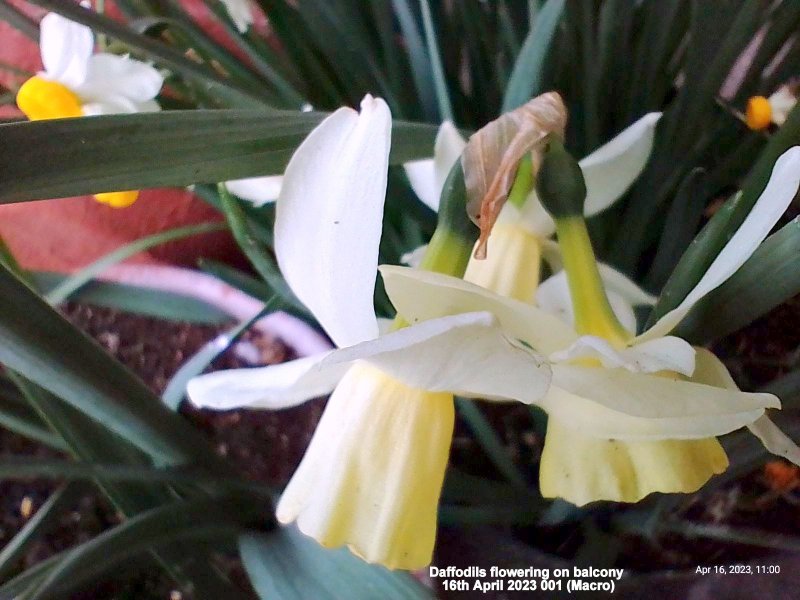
265, 446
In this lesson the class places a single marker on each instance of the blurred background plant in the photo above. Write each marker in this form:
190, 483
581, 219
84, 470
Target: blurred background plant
236, 105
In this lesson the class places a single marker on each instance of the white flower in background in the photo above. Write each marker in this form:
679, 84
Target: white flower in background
521, 236
627, 415
240, 13
257, 190
373, 472
762, 112
75, 82
427, 176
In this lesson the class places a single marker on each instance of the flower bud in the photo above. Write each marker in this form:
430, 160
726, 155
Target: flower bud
559, 183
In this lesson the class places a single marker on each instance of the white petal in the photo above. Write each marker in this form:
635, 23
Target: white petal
772, 203
655, 397
612, 168
427, 176
423, 181
385, 325
112, 75
615, 281
775, 440
110, 105
465, 354
258, 190
147, 106
329, 218
531, 216
782, 102
422, 295
661, 354
373, 472
65, 47
240, 13
613, 404
596, 420
554, 298
273, 387
551, 254
447, 150
709, 370
414, 258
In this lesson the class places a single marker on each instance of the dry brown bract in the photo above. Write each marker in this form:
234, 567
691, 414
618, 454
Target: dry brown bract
493, 153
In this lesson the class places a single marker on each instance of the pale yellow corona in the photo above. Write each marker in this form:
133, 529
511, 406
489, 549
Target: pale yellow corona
77, 82
583, 469
372, 475
118, 199
39, 99
512, 266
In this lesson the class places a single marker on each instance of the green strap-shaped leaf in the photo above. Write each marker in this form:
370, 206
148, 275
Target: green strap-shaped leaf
288, 565
40, 344
526, 76
22, 467
771, 276
437, 69
138, 300
176, 388
708, 243
69, 157
207, 518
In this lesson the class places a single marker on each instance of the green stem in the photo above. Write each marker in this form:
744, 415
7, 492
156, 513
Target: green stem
593, 314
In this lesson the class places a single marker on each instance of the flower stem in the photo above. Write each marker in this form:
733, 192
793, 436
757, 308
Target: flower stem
593, 314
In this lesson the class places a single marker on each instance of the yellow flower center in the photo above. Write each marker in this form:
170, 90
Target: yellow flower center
117, 199
759, 113
41, 98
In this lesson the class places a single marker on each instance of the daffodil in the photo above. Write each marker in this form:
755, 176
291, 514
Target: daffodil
627, 415
762, 112
373, 472
240, 13
521, 237
427, 176
76, 82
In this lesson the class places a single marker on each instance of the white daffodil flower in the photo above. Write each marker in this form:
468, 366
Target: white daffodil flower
521, 237
427, 176
373, 472
626, 419
762, 112
240, 13
258, 190
75, 82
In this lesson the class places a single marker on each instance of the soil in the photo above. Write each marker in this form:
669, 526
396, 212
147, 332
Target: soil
267, 446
